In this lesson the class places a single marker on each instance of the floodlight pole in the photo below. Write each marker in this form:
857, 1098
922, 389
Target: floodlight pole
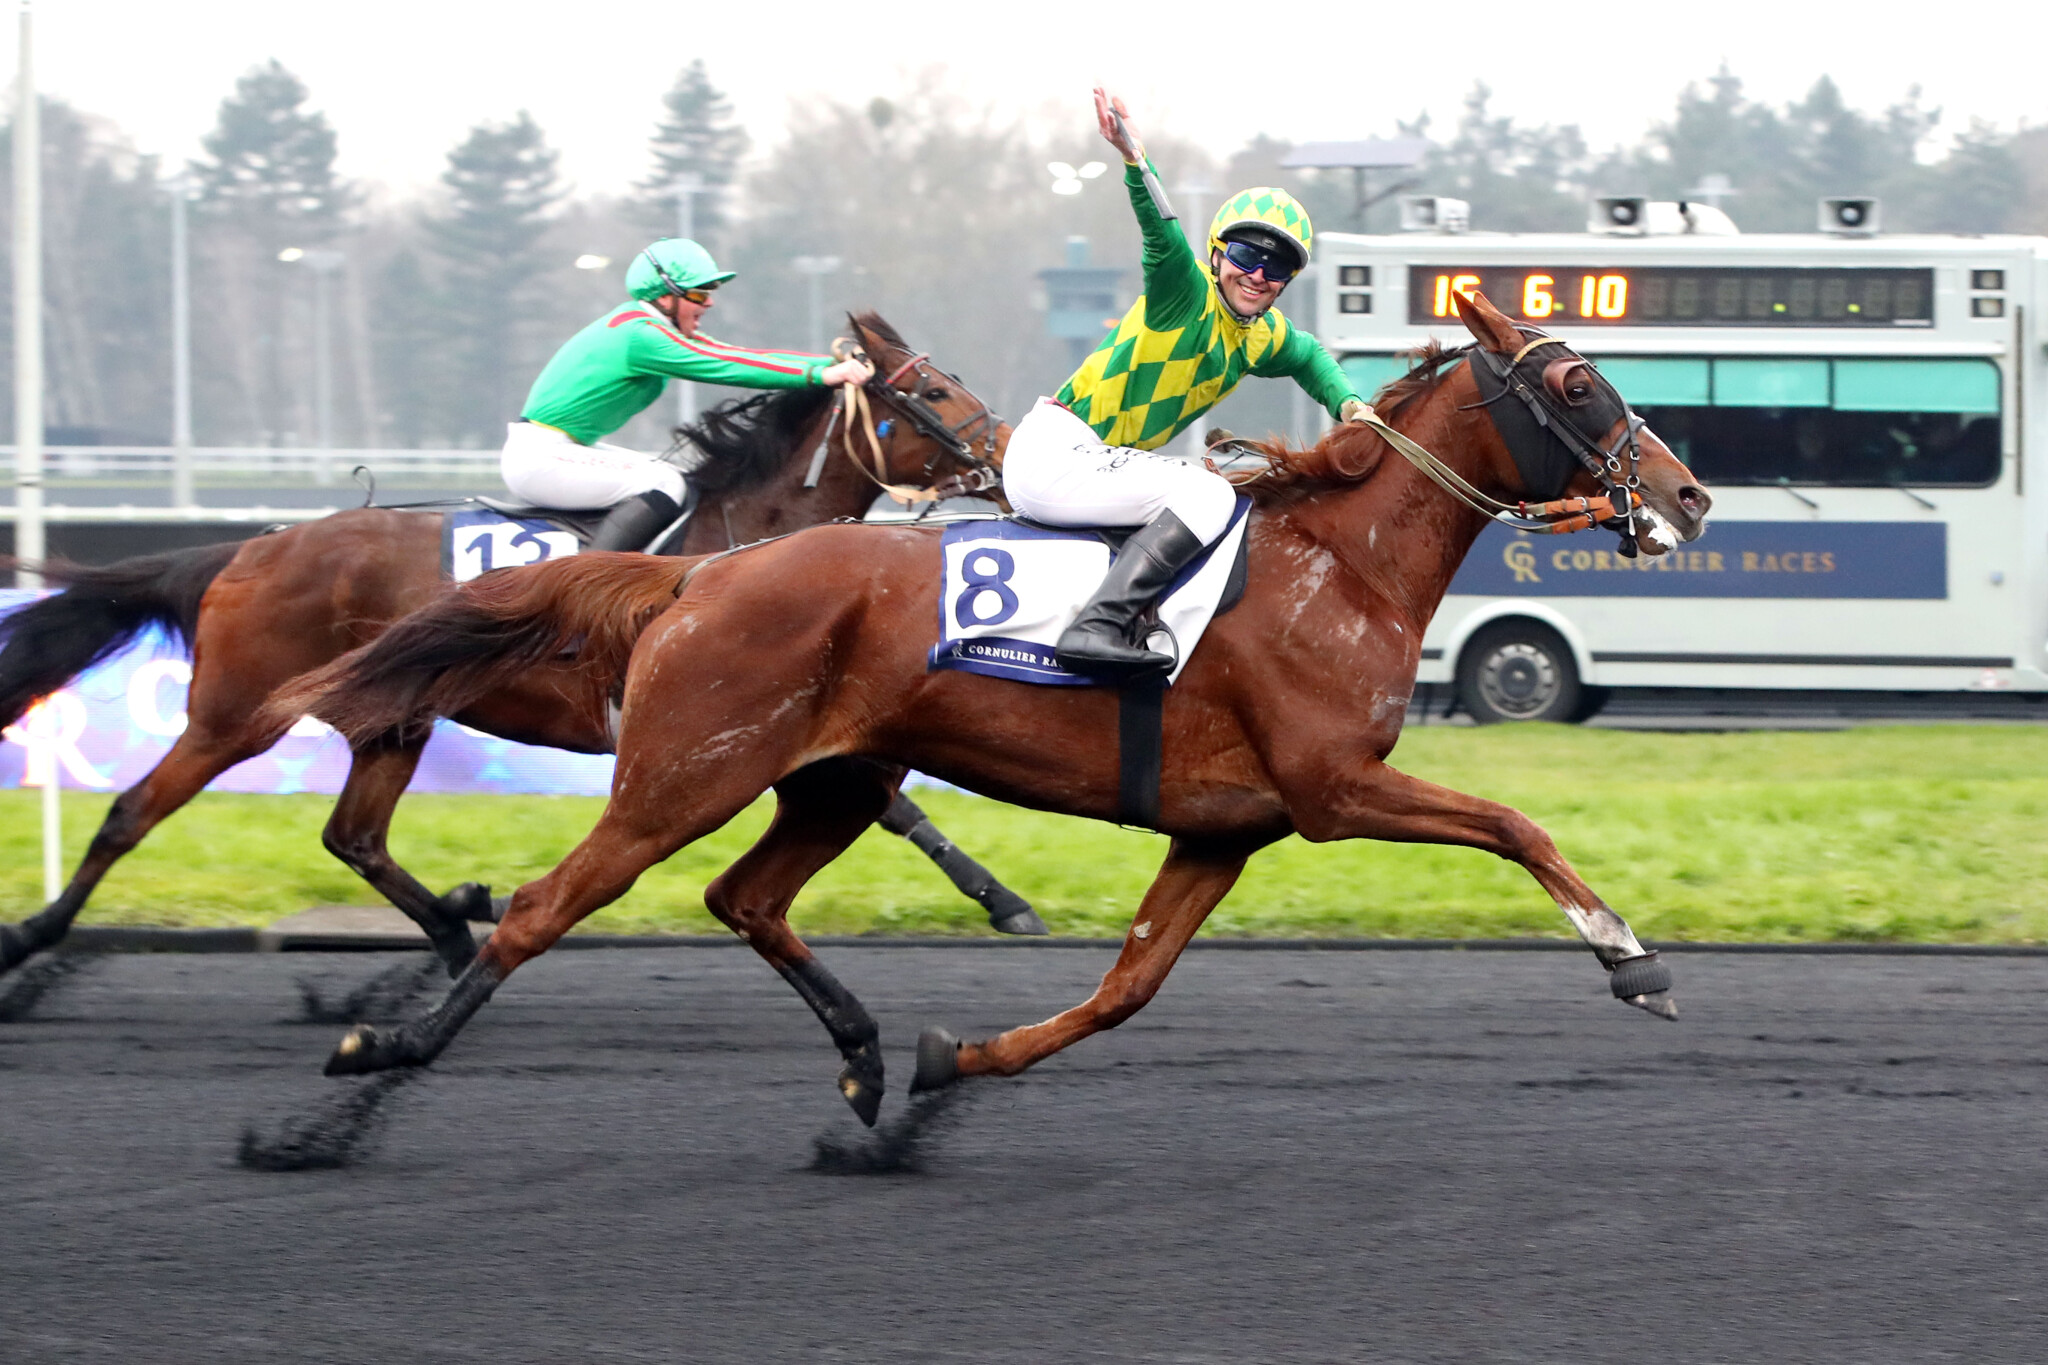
688, 186
817, 268
182, 491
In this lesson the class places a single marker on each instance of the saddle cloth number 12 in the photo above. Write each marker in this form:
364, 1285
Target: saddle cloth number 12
505, 544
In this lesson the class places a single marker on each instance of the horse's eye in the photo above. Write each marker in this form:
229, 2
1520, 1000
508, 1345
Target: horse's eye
934, 395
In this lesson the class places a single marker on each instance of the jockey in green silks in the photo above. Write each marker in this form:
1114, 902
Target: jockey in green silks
1203, 323
617, 366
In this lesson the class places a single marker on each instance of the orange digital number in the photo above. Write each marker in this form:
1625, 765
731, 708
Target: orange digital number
1448, 288
1536, 298
1613, 299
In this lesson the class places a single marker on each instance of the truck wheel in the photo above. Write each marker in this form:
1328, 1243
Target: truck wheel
1518, 670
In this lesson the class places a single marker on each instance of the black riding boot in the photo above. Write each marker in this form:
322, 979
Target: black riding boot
636, 521
1100, 640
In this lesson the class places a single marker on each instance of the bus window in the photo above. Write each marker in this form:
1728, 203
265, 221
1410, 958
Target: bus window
1847, 423
1370, 373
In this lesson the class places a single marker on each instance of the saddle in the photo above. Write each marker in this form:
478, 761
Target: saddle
583, 522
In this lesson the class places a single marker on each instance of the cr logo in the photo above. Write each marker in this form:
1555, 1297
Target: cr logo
1520, 557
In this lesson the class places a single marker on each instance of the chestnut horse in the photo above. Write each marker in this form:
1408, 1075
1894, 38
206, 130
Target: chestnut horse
273, 607
802, 665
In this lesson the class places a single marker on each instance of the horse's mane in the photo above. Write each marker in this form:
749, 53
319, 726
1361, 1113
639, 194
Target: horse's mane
747, 441
1347, 453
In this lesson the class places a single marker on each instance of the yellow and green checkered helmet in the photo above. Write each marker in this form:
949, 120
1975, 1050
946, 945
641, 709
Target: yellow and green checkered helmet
1274, 210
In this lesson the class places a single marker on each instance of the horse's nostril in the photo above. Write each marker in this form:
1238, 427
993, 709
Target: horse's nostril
1694, 500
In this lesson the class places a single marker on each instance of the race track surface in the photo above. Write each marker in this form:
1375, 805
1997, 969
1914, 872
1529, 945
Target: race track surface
1290, 1156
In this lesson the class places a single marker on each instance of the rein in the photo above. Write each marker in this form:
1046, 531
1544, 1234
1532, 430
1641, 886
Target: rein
1560, 516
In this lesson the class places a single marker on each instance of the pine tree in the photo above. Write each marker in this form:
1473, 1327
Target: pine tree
697, 136
269, 162
502, 186
266, 183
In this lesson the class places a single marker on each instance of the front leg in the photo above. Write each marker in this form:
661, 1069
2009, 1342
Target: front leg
1194, 878
1382, 803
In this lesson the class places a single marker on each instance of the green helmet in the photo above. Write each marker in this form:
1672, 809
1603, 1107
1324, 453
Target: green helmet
1272, 217
670, 266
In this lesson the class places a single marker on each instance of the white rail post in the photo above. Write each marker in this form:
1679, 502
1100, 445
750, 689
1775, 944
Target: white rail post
28, 390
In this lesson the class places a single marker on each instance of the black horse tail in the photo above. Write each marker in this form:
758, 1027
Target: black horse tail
586, 610
49, 642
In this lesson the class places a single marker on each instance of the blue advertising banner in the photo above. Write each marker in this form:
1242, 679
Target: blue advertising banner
110, 726
1886, 559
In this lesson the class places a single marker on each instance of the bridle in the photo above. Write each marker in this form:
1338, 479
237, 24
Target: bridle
856, 414
1546, 420
1567, 383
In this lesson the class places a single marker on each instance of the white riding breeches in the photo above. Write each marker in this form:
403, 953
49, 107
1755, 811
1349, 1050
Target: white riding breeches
1058, 471
546, 467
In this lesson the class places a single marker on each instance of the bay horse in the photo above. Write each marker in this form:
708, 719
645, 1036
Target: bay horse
801, 665
261, 612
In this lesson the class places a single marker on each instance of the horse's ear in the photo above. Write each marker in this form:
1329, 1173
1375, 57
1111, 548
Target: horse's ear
1488, 325
858, 330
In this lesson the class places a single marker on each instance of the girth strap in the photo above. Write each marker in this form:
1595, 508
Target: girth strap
1140, 744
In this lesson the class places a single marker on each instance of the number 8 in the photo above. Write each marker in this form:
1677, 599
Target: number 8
975, 583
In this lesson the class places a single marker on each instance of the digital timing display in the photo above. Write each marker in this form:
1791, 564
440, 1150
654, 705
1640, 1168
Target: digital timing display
1679, 296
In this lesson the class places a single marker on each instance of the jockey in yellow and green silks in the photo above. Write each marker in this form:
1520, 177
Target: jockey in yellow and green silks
1204, 322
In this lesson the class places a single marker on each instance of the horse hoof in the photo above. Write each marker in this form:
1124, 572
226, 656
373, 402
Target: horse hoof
363, 1050
470, 902
863, 1092
938, 1060
1010, 913
1645, 975
1658, 1003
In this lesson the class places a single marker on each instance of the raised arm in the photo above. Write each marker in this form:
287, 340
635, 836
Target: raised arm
1175, 282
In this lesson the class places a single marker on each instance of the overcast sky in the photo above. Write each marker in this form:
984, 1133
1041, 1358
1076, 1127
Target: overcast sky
403, 80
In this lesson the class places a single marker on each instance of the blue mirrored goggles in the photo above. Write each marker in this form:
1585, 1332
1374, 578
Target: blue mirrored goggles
1252, 259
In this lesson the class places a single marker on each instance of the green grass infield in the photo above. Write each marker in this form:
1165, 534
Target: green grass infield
1901, 834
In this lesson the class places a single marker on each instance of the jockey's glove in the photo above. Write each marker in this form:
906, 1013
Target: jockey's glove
1356, 410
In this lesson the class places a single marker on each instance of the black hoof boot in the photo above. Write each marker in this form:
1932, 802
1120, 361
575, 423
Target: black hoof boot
860, 1082
1010, 913
364, 1050
938, 1061
1644, 982
470, 901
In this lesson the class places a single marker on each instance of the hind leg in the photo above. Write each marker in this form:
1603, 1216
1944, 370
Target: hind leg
196, 759
654, 811
1008, 912
356, 833
820, 811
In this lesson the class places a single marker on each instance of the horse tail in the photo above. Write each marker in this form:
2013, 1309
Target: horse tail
48, 642
587, 609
